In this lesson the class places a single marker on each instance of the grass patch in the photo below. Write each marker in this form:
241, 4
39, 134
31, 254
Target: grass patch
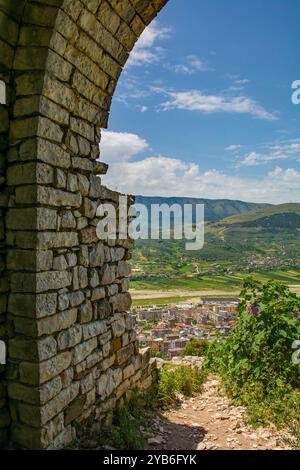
124, 432
178, 379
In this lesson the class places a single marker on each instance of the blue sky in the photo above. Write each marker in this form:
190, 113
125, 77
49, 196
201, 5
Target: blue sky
203, 107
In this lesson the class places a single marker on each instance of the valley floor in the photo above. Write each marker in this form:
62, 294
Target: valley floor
209, 422
177, 295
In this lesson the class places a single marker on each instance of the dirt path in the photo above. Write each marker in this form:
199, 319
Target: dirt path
208, 422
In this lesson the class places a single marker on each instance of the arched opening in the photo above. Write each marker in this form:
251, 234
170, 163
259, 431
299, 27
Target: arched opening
72, 353
193, 118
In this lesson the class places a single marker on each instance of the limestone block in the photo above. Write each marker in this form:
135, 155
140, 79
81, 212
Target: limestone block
76, 298
107, 274
67, 220
60, 263
118, 327
94, 329
117, 254
98, 293
124, 354
75, 409
124, 269
128, 371
121, 302
97, 255
69, 338
86, 312
81, 351
67, 377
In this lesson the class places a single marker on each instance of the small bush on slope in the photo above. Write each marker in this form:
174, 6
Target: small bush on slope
196, 347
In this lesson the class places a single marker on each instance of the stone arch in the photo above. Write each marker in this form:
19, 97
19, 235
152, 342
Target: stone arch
72, 352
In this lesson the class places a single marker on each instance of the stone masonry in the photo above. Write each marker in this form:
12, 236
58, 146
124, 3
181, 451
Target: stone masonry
72, 353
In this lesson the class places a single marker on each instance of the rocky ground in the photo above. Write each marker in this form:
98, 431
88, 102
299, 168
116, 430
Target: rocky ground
208, 422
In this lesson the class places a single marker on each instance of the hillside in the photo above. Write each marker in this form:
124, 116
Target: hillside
266, 240
215, 209
263, 214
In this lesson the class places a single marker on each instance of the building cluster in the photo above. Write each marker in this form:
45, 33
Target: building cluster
168, 329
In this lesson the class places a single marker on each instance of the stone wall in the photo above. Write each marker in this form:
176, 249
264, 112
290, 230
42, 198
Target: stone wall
72, 351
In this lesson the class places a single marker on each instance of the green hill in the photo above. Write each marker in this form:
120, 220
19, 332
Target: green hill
272, 213
266, 240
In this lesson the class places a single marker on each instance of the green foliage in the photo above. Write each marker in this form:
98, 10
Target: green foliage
255, 362
178, 379
196, 347
124, 432
161, 355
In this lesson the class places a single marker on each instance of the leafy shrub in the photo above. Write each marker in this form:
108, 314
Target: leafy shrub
196, 347
178, 379
160, 354
255, 362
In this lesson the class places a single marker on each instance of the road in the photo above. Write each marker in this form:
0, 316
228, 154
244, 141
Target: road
157, 294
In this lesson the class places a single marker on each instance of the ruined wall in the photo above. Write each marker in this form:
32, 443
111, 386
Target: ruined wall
72, 350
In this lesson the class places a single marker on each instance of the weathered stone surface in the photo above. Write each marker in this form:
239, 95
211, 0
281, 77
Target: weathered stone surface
65, 288
60, 263
128, 371
94, 329
52, 280
86, 312
107, 274
68, 220
121, 302
108, 381
75, 409
83, 350
57, 197
47, 240
118, 327
124, 269
58, 403
117, 254
53, 367
76, 298
98, 293
124, 354
69, 338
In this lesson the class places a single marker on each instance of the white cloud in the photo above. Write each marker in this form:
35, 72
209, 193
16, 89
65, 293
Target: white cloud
167, 176
146, 50
255, 158
242, 81
282, 151
288, 148
192, 65
195, 100
233, 148
144, 109
117, 147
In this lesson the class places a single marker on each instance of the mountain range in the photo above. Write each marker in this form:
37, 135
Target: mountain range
215, 209
239, 237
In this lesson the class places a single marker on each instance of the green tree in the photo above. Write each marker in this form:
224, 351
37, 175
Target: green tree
196, 347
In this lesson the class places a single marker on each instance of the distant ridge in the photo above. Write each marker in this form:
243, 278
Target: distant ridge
280, 214
215, 209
